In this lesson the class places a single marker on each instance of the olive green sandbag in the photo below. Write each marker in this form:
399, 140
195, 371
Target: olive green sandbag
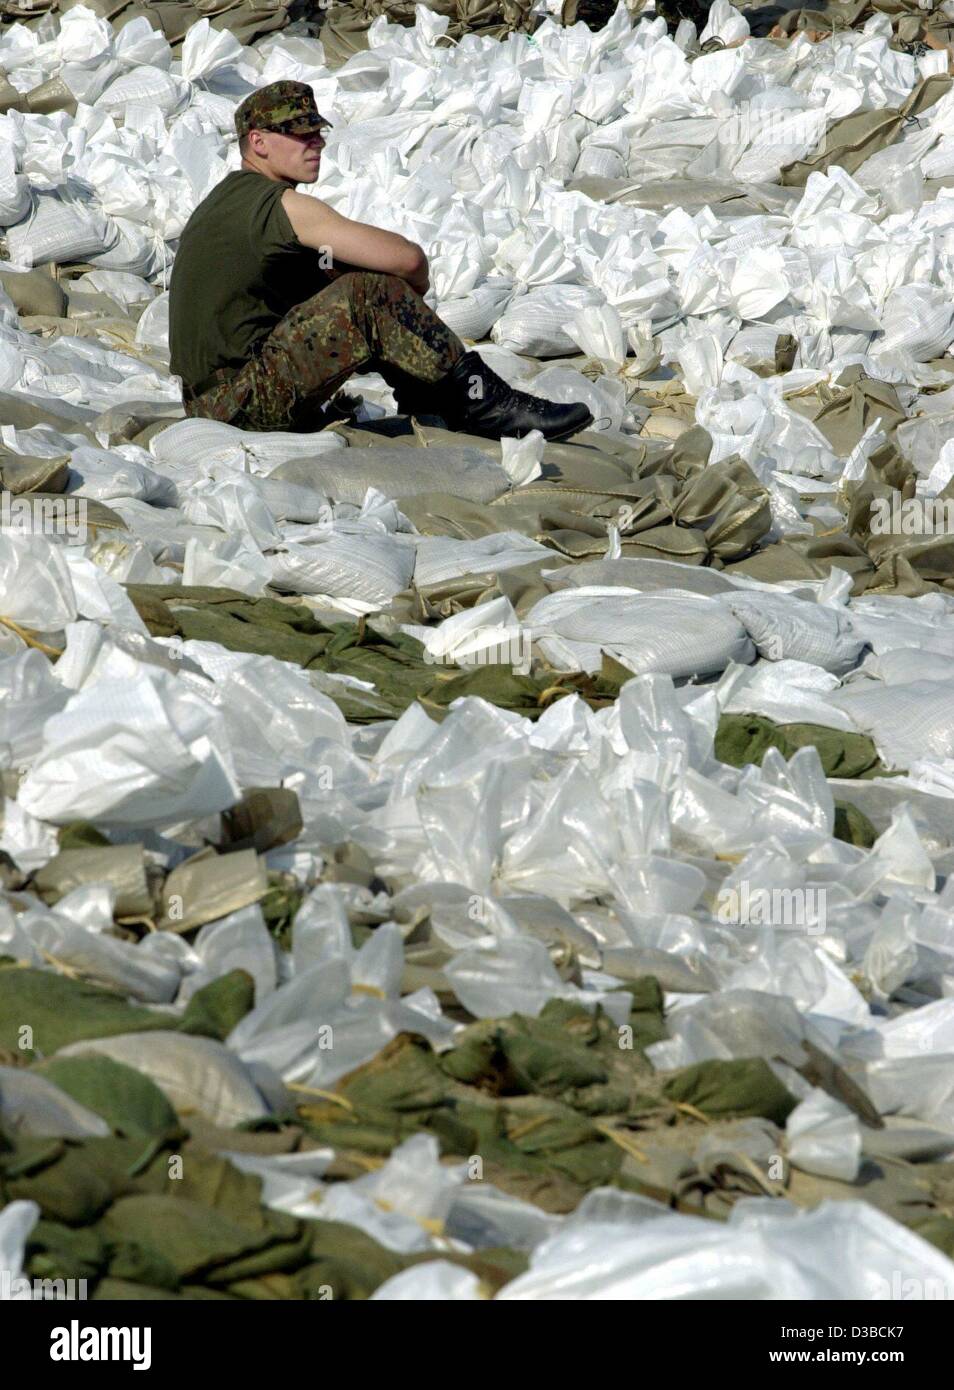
130, 1102
745, 738
194, 1239
746, 1086
61, 1011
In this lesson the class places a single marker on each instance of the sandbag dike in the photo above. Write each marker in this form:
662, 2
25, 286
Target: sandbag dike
422, 857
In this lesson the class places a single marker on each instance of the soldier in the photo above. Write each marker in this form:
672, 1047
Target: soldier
276, 299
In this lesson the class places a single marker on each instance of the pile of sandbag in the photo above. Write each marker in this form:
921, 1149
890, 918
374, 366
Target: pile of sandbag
492, 860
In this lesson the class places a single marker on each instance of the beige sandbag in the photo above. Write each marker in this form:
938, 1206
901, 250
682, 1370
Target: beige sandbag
24, 414
105, 9
9, 97
209, 886
52, 95
34, 292
851, 140
24, 473
123, 867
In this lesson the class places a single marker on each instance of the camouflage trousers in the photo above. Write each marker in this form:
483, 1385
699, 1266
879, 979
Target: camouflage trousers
363, 322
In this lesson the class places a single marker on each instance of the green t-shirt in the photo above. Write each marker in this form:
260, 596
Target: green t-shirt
238, 270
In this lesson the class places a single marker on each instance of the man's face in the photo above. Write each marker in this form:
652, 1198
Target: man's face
291, 158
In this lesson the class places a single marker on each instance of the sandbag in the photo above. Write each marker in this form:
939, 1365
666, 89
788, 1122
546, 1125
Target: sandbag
346, 475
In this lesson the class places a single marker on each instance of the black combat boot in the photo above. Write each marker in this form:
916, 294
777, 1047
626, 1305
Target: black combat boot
474, 399
413, 396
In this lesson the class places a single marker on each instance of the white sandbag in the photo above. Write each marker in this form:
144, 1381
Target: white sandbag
15, 200
130, 248
275, 717
188, 446
522, 459
233, 562
786, 628
534, 324
838, 1250
235, 506
152, 330
17, 1220
473, 315
32, 1106
286, 501
57, 230
824, 1137
207, 51
126, 289
725, 23
371, 570
440, 558
517, 976
239, 941
145, 752
144, 86
29, 695
35, 584
919, 320
117, 965
666, 634
906, 722
103, 474
433, 1281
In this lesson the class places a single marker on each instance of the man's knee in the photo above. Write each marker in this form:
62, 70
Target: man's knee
373, 281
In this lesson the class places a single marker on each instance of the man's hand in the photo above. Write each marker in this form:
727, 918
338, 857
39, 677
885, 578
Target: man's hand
421, 281
354, 244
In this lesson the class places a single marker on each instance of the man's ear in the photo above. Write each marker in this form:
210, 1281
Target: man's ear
257, 143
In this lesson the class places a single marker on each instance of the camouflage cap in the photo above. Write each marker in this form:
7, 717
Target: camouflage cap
288, 107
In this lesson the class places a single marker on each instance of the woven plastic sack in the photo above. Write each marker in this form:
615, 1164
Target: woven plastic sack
143, 752
14, 189
665, 634
60, 231
144, 86
346, 474
36, 588
474, 315
917, 319
133, 249
371, 570
17, 1220
534, 324
103, 475
444, 557
907, 722
824, 1137
766, 1251
786, 628
152, 330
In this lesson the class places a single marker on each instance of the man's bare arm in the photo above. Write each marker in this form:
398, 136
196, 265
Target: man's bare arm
354, 245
